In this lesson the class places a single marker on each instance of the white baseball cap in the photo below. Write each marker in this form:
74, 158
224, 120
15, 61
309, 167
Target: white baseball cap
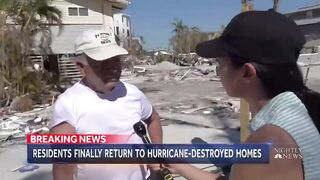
98, 45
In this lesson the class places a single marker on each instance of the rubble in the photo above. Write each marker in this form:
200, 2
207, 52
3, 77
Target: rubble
215, 114
9, 125
5, 111
206, 112
171, 71
37, 120
25, 167
22, 103
17, 125
164, 66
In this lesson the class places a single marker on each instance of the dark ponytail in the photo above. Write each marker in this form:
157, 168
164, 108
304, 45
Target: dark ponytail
311, 100
277, 79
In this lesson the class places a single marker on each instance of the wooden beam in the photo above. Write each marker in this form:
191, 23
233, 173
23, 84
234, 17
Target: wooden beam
244, 120
244, 106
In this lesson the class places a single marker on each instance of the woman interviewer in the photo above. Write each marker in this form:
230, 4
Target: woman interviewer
257, 55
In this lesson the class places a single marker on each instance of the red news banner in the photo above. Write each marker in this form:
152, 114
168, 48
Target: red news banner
76, 139
101, 148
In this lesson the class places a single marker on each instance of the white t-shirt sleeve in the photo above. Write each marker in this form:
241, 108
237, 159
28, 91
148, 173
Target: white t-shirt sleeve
61, 113
146, 107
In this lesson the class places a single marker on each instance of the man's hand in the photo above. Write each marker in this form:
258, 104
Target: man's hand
192, 173
154, 167
155, 133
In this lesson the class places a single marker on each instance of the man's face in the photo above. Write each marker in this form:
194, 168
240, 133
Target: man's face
107, 70
103, 74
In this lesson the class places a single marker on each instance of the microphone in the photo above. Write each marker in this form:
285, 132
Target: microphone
141, 131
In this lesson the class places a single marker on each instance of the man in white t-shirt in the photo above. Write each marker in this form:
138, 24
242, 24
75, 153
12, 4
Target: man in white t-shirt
102, 104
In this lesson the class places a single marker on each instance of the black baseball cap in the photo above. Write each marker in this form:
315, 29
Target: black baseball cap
265, 37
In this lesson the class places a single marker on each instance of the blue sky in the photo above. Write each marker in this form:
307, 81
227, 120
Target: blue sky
152, 18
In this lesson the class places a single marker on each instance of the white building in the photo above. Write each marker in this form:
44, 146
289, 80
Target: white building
122, 28
79, 15
308, 19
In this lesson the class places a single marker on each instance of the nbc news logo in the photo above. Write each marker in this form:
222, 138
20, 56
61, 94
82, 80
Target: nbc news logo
278, 156
287, 153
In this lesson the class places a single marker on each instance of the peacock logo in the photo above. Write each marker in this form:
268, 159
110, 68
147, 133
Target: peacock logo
278, 156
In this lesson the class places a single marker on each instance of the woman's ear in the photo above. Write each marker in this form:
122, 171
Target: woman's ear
249, 71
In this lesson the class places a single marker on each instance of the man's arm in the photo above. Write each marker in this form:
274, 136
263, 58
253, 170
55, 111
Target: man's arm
63, 171
154, 127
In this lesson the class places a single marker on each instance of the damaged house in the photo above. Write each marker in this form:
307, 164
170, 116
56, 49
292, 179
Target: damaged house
77, 16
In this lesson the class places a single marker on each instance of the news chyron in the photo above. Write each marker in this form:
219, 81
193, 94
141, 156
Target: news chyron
108, 148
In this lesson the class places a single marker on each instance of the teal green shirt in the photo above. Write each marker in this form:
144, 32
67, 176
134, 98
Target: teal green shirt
288, 112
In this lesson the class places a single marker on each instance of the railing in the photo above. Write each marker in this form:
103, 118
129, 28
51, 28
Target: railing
68, 69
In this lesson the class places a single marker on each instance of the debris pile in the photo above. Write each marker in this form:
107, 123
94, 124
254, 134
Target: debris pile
15, 125
216, 114
216, 107
169, 71
195, 73
163, 65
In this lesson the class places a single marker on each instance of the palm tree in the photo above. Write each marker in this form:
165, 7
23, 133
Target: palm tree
180, 37
35, 17
178, 26
195, 38
246, 5
276, 4
28, 20
142, 40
